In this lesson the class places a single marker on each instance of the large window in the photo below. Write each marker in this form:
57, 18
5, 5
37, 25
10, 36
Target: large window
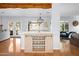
16, 26
10, 25
64, 26
34, 26
38, 26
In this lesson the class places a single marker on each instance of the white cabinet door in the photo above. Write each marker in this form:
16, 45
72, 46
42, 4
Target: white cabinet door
48, 44
28, 44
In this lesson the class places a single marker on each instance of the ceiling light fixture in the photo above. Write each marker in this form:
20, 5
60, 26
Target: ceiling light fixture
40, 19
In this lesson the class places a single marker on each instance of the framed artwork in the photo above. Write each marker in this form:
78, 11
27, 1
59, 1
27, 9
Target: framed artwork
75, 23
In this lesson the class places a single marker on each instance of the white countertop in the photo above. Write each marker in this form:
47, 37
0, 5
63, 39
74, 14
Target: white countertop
38, 33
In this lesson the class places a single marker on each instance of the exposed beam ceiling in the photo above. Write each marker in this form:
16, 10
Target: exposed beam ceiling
26, 5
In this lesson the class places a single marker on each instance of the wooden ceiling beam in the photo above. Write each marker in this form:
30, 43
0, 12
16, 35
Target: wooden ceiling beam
26, 5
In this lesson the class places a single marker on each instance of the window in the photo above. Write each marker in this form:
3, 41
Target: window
11, 25
64, 26
38, 26
17, 27
33, 26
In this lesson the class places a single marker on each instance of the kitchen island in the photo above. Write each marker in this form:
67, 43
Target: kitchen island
38, 42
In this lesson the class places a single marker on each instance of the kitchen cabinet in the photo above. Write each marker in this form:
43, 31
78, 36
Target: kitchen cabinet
38, 42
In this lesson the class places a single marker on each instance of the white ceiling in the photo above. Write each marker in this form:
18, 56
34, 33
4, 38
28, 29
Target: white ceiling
25, 12
69, 9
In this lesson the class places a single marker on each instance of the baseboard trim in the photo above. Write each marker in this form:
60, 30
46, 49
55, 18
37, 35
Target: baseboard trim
5, 40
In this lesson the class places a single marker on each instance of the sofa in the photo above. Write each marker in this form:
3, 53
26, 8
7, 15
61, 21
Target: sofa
66, 35
75, 39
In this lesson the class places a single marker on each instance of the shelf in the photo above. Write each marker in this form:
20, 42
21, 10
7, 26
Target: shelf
38, 43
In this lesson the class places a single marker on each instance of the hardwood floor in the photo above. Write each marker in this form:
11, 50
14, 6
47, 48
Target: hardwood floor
11, 47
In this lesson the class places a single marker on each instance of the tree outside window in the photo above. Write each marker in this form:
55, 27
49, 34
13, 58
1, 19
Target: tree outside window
64, 26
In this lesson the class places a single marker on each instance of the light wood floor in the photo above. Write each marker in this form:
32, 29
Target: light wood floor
11, 47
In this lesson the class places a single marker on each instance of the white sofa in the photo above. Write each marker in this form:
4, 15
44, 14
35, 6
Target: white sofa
4, 34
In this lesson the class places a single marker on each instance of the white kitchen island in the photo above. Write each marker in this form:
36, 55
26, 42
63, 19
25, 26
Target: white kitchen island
38, 42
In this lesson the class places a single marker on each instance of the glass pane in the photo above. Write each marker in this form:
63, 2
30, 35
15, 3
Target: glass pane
34, 27
64, 26
17, 27
10, 25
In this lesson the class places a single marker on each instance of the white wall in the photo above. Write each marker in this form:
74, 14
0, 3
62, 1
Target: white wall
55, 28
74, 28
70, 20
4, 22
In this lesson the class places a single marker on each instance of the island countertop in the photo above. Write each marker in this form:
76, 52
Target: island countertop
38, 34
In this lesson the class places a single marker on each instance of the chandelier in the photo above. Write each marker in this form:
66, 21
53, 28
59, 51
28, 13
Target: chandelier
40, 20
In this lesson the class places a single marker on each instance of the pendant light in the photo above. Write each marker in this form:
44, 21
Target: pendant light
40, 19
